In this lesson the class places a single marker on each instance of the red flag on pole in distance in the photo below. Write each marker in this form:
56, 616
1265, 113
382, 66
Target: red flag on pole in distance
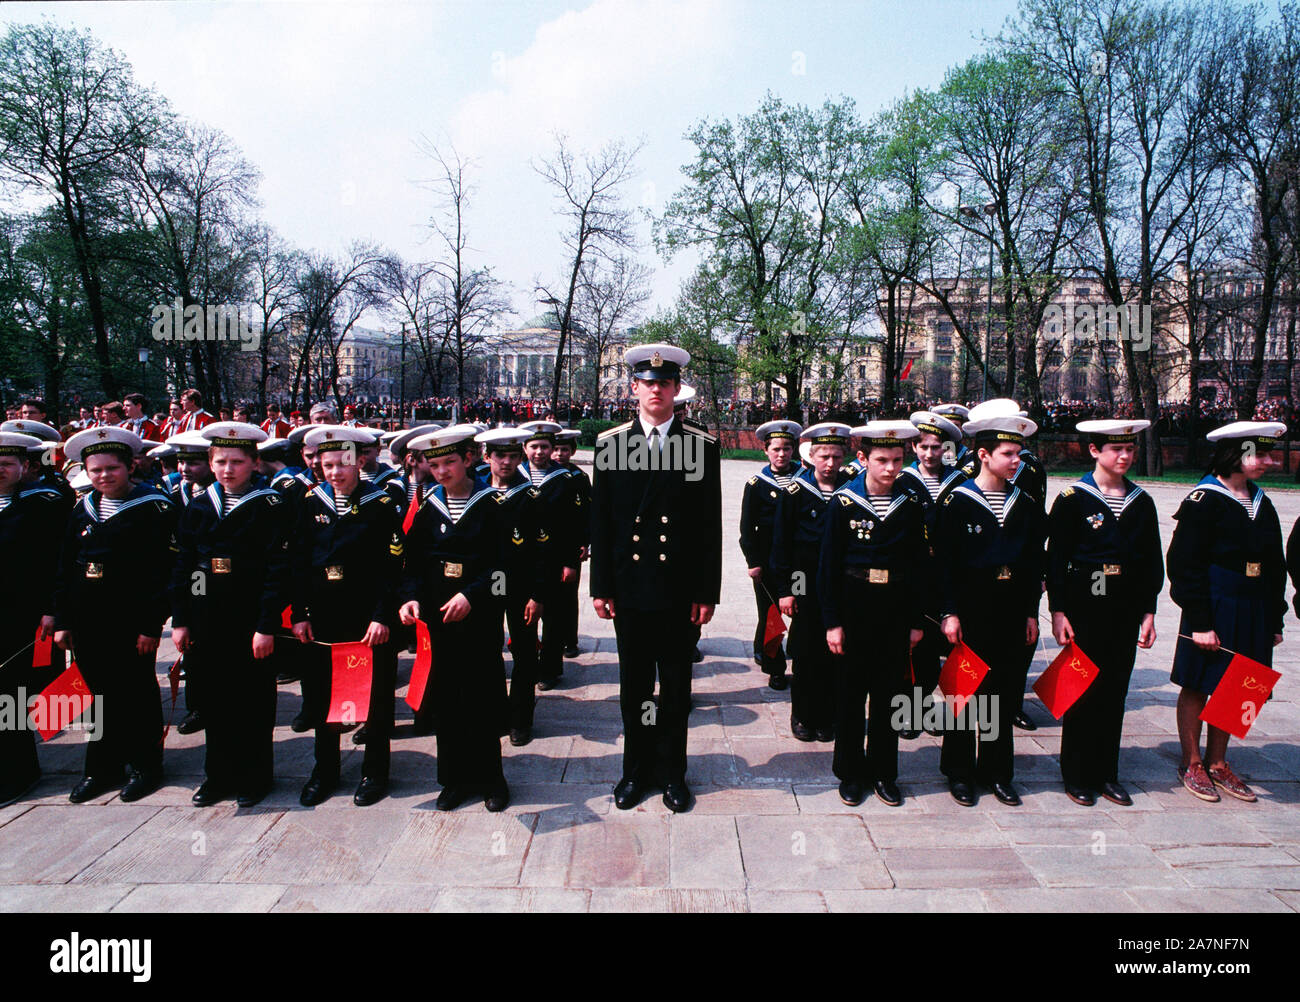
43, 652
1065, 680
423, 665
350, 671
906, 369
1239, 696
773, 631
61, 702
961, 676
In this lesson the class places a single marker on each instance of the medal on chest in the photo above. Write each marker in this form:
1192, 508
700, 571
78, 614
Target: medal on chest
1095, 521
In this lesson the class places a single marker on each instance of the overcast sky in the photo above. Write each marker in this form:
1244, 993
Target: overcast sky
328, 99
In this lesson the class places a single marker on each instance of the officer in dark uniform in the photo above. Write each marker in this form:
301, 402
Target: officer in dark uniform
566, 442
109, 605
1227, 572
758, 508
988, 546
1105, 570
796, 550
681, 409
871, 582
32, 517
455, 580
233, 540
929, 478
656, 567
345, 555
526, 563
562, 519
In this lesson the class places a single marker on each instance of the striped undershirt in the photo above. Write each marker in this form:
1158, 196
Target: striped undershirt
783, 479
998, 502
826, 495
536, 475
1245, 503
4, 501
932, 484
109, 506
410, 493
229, 501
456, 508
342, 502
1116, 505
880, 503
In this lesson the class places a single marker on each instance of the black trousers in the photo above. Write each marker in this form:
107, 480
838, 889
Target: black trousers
523, 667
654, 644
873, 668
550, 662
238, 711
569, 591
130, 721
18, 761
996, 632
379, 715
771, 665
927, 659
1105, 629
812, 685
468, 687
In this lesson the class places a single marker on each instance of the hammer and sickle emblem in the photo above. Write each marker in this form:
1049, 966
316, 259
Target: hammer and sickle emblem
355, 660
79, 687
967, 669
1074, 663
1250, 684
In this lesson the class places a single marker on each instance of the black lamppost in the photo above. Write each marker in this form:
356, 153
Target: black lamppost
144, 360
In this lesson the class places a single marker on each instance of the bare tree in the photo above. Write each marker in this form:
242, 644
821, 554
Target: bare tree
609, 300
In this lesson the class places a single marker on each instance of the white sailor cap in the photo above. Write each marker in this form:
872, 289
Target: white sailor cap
1263, 433
297, 435
778, 429
444, 441
502, 439
185, 442
163, 451
989, 431
233, 433
113, 438
885, 434
1101, 432
13, 443
545, 430
401, 441
568, 435
37, 429
951, 411
934, 423
328, 437
997, 407
827, 433
269, 445
684, 396
656, 361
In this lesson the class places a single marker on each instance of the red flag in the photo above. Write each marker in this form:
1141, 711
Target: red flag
412, 509
350, 671
773, 631
61, 702
286, 618
1239, 696
174, 678
423, 665
1066, 679
906, 369
43, 652
961, 676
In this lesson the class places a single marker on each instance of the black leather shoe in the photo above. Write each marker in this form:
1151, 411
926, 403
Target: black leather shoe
88, 789
1024, 723
826, 734
251, 798
697, 657
139, 784
627, 794
520, 736
370, 791
497, 800
15, 791
1006, 794
208, 794
778, 682
963, 793
285, 678
677, 797
1116, 794
317, 790
359, 738
300, 724
852, 792
888, 793
572, 651
547, 684
1082, 797
451, 797
801, 731
192, 724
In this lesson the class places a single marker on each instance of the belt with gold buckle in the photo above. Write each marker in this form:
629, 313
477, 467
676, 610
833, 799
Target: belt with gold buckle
334, 573
94, 570
1252, 570
1110, 570
1004, 573
220, 565
450, 570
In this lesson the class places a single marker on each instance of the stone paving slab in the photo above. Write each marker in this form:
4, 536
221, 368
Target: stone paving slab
768, 831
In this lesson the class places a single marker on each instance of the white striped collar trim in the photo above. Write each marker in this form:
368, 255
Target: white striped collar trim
969, 488
557, 472
1254, 501
865, 502
764, 475
92, 509
217, 496
1129, 498
434, 498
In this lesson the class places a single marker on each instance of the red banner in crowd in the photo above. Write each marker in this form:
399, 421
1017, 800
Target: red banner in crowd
961, 676
773, 632
350, 672
1239, 696
1066, 679
43, 652
60, 703
423, 666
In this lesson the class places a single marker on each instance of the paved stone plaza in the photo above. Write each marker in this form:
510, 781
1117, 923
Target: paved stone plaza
768, 831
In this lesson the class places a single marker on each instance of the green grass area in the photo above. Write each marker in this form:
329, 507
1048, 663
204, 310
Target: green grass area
1275, 482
